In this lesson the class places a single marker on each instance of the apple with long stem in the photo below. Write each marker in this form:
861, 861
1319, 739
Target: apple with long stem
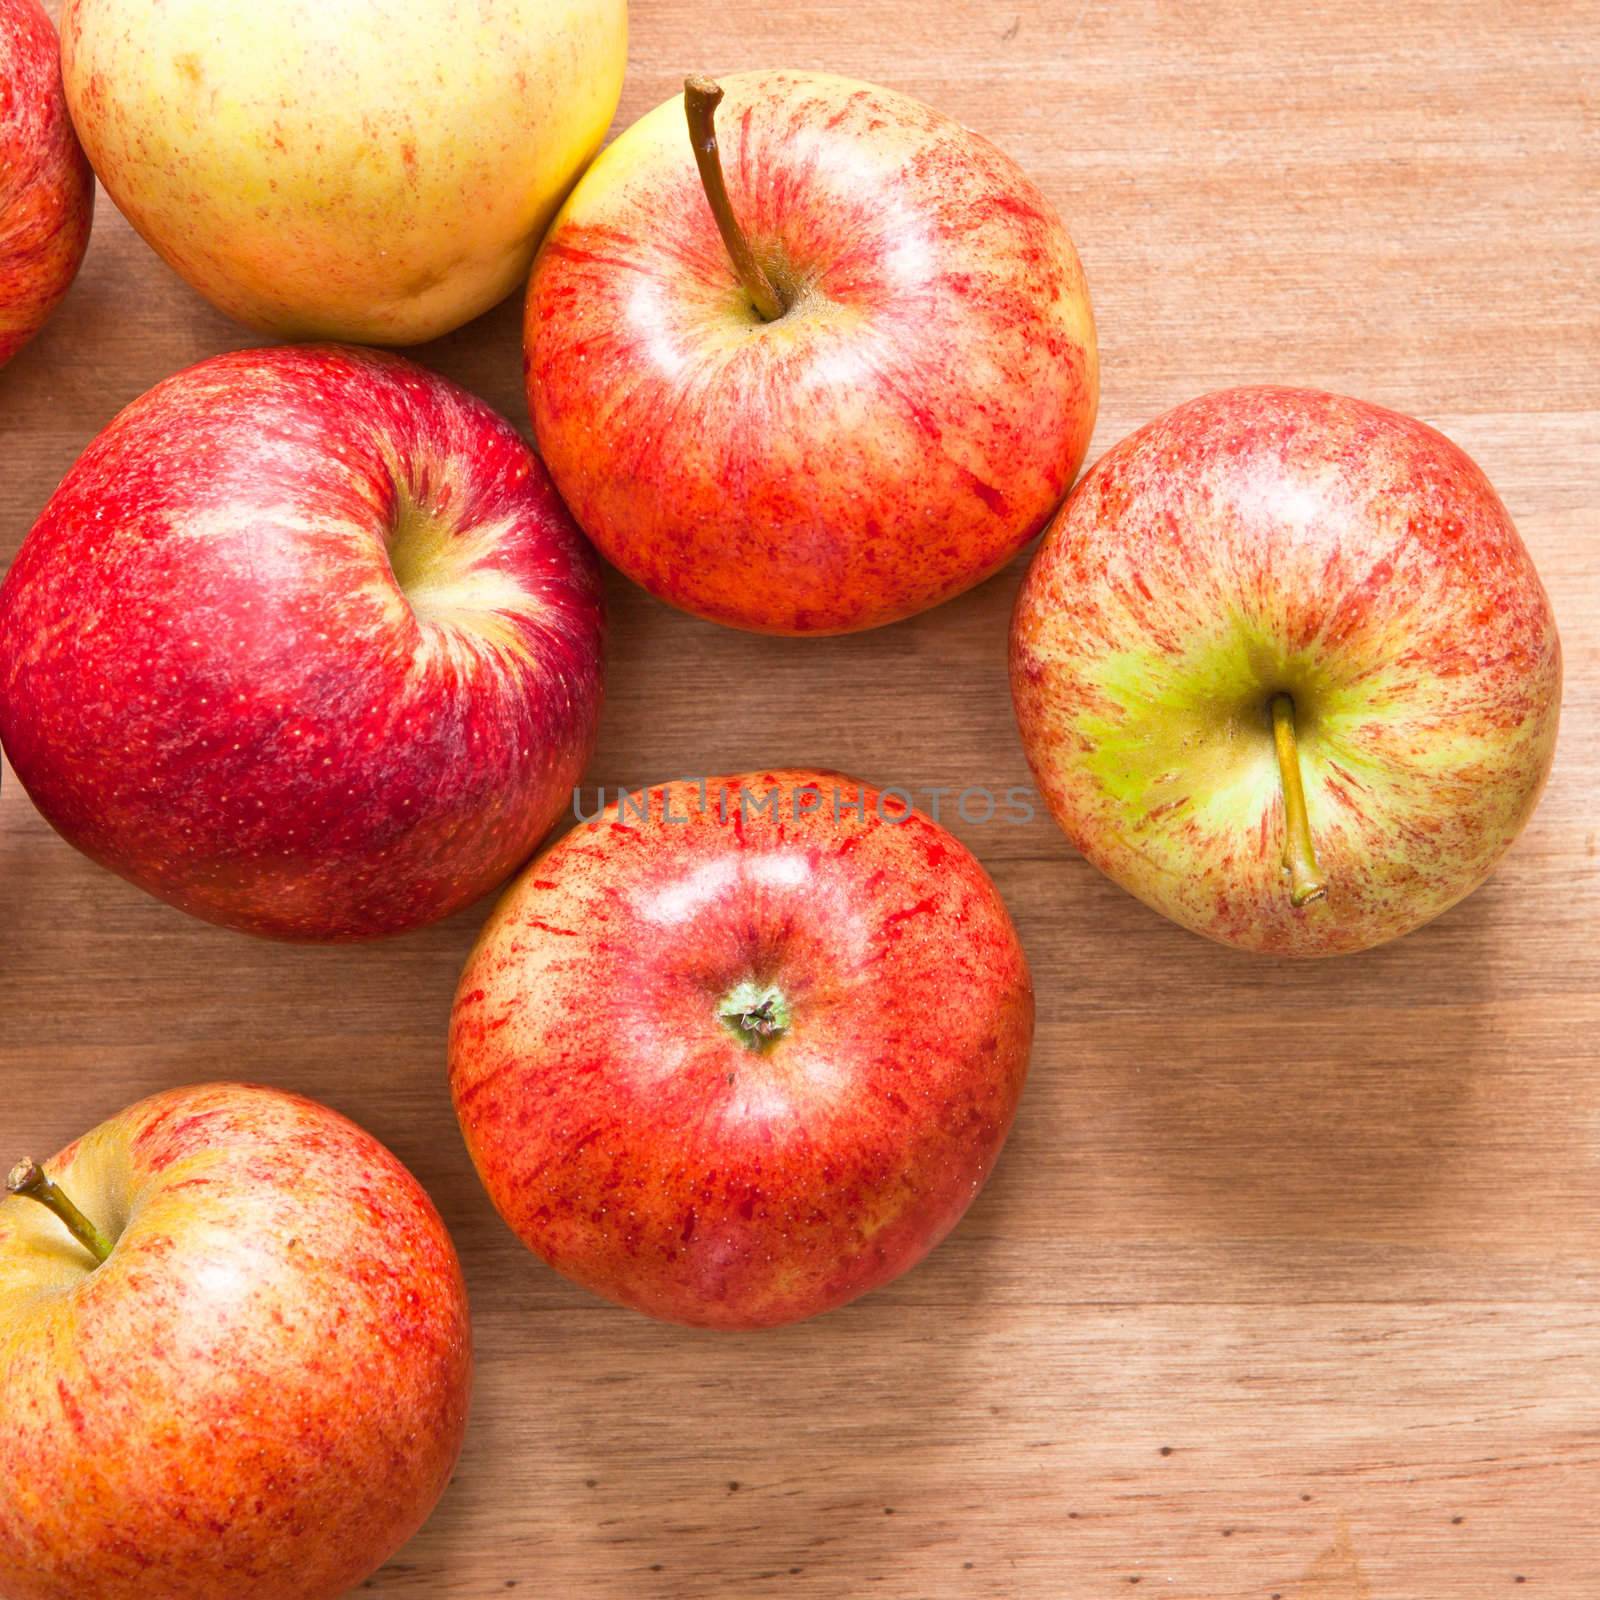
237, 1355
305, 644
46, 187
1285, 670
740, 1051
817, 375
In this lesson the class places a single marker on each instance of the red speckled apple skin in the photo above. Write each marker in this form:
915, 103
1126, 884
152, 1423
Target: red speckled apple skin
897, 437
262, 1392
632, 1141
212, 682
1267, 540
46, 187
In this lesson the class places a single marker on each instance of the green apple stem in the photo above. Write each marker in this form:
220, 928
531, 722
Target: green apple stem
756, 1015
1306, 882
701, 97
28, 1180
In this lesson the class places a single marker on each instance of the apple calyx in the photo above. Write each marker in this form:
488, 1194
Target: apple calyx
1306, 882
28, 1180
757, 1015
701, 97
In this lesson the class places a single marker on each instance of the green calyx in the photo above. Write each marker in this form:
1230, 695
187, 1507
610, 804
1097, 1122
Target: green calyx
757, 1015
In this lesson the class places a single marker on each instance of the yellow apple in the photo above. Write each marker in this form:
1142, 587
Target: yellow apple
351, 169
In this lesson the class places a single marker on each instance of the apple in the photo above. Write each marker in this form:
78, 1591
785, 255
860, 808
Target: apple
1285, 671
838, 383
739, 1051
46, 187
237, 1356
339, 170
305, 644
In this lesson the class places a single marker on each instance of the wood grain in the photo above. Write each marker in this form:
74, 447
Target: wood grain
1289, 1283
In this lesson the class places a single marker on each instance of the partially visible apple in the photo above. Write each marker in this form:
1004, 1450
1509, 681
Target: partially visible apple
837, 384
336, 169
1284, 670
236, 1356
46, 187
738, 1052
306, 644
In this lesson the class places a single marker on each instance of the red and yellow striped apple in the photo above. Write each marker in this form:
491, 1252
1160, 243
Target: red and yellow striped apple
46, 187
742, 1057
836, 384
236, 1356
1285, 670
305, 644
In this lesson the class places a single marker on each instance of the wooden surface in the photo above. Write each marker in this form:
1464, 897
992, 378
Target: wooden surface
1287, 1284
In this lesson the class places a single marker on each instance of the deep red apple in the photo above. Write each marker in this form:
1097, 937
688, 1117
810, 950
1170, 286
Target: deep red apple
836, 384
234, 1356
306, 644
1285, 670
46, 187
736, 1053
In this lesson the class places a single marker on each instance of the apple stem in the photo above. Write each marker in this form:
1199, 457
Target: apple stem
701, 97
1306, 882
757, 1017
28, 1180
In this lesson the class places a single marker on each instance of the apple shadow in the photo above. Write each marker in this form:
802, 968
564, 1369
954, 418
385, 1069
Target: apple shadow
1335, 1102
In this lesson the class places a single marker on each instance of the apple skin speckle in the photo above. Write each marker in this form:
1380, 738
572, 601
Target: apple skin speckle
305, 644
1263, 541
262, 1392
896, 437
327, 169
630, 1138
46, 187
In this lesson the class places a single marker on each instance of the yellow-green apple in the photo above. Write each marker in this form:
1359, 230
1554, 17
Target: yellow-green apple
305, 644
234, 1356
741, 1050
1284, 669
46, 187
836, 383
344, 169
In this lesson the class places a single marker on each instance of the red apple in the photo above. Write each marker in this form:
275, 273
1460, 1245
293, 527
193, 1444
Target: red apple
736, 1053
305, 644
1284, 670
46, 187
876, 409
236, 1357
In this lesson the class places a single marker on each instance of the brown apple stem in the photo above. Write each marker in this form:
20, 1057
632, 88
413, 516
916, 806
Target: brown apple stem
1306, 882
701, 97
28, 1180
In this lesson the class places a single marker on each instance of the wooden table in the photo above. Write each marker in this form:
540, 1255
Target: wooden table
1289, 1282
